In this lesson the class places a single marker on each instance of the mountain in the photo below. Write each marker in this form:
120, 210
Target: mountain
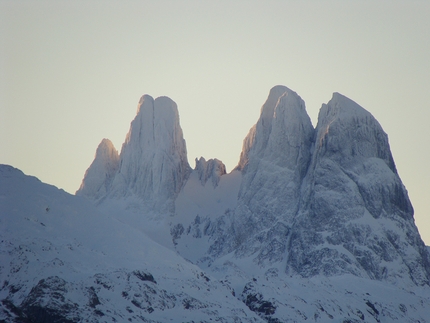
314, 224
324, 201
275, 156
356, 216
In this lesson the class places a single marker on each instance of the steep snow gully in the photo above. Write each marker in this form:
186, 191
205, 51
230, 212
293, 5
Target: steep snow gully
313, 225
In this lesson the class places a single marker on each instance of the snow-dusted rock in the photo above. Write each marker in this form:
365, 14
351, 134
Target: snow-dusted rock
275, 156
324, 202
212, 169
355, 214
153, 163
282, 133
153, 160
98, 177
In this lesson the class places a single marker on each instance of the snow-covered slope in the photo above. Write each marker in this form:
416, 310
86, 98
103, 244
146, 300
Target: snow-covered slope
61, 260
64, 261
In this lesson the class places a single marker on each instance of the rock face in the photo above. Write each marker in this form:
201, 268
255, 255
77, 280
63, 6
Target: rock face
153, 162
98, 177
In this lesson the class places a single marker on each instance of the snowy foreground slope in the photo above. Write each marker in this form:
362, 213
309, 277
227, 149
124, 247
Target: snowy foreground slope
313, 225
64, 261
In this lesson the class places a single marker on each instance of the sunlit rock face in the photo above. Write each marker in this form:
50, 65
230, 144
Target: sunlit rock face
276, 155
274, 159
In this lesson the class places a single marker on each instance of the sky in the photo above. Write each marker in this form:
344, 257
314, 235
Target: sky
72, 73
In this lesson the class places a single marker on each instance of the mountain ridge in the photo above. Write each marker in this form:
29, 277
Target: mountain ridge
304, 192
314, 224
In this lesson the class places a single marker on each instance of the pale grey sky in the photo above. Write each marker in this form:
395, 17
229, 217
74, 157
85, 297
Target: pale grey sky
72, 72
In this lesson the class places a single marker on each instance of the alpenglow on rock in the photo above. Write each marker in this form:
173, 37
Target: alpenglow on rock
153, 162
274, 159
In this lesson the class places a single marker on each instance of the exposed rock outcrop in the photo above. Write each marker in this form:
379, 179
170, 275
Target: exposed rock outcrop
212, 170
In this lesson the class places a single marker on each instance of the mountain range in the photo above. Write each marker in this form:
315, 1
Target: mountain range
312, 225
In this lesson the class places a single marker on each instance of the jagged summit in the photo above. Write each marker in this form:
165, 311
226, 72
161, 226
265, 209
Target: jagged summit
365, 137
355, 215
258, 136
276, 154
153, 162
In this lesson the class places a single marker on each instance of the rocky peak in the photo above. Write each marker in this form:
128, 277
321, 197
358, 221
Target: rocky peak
282, 125
355, 215
347, 130
99, 175
153, 161
275, 152
275, 156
